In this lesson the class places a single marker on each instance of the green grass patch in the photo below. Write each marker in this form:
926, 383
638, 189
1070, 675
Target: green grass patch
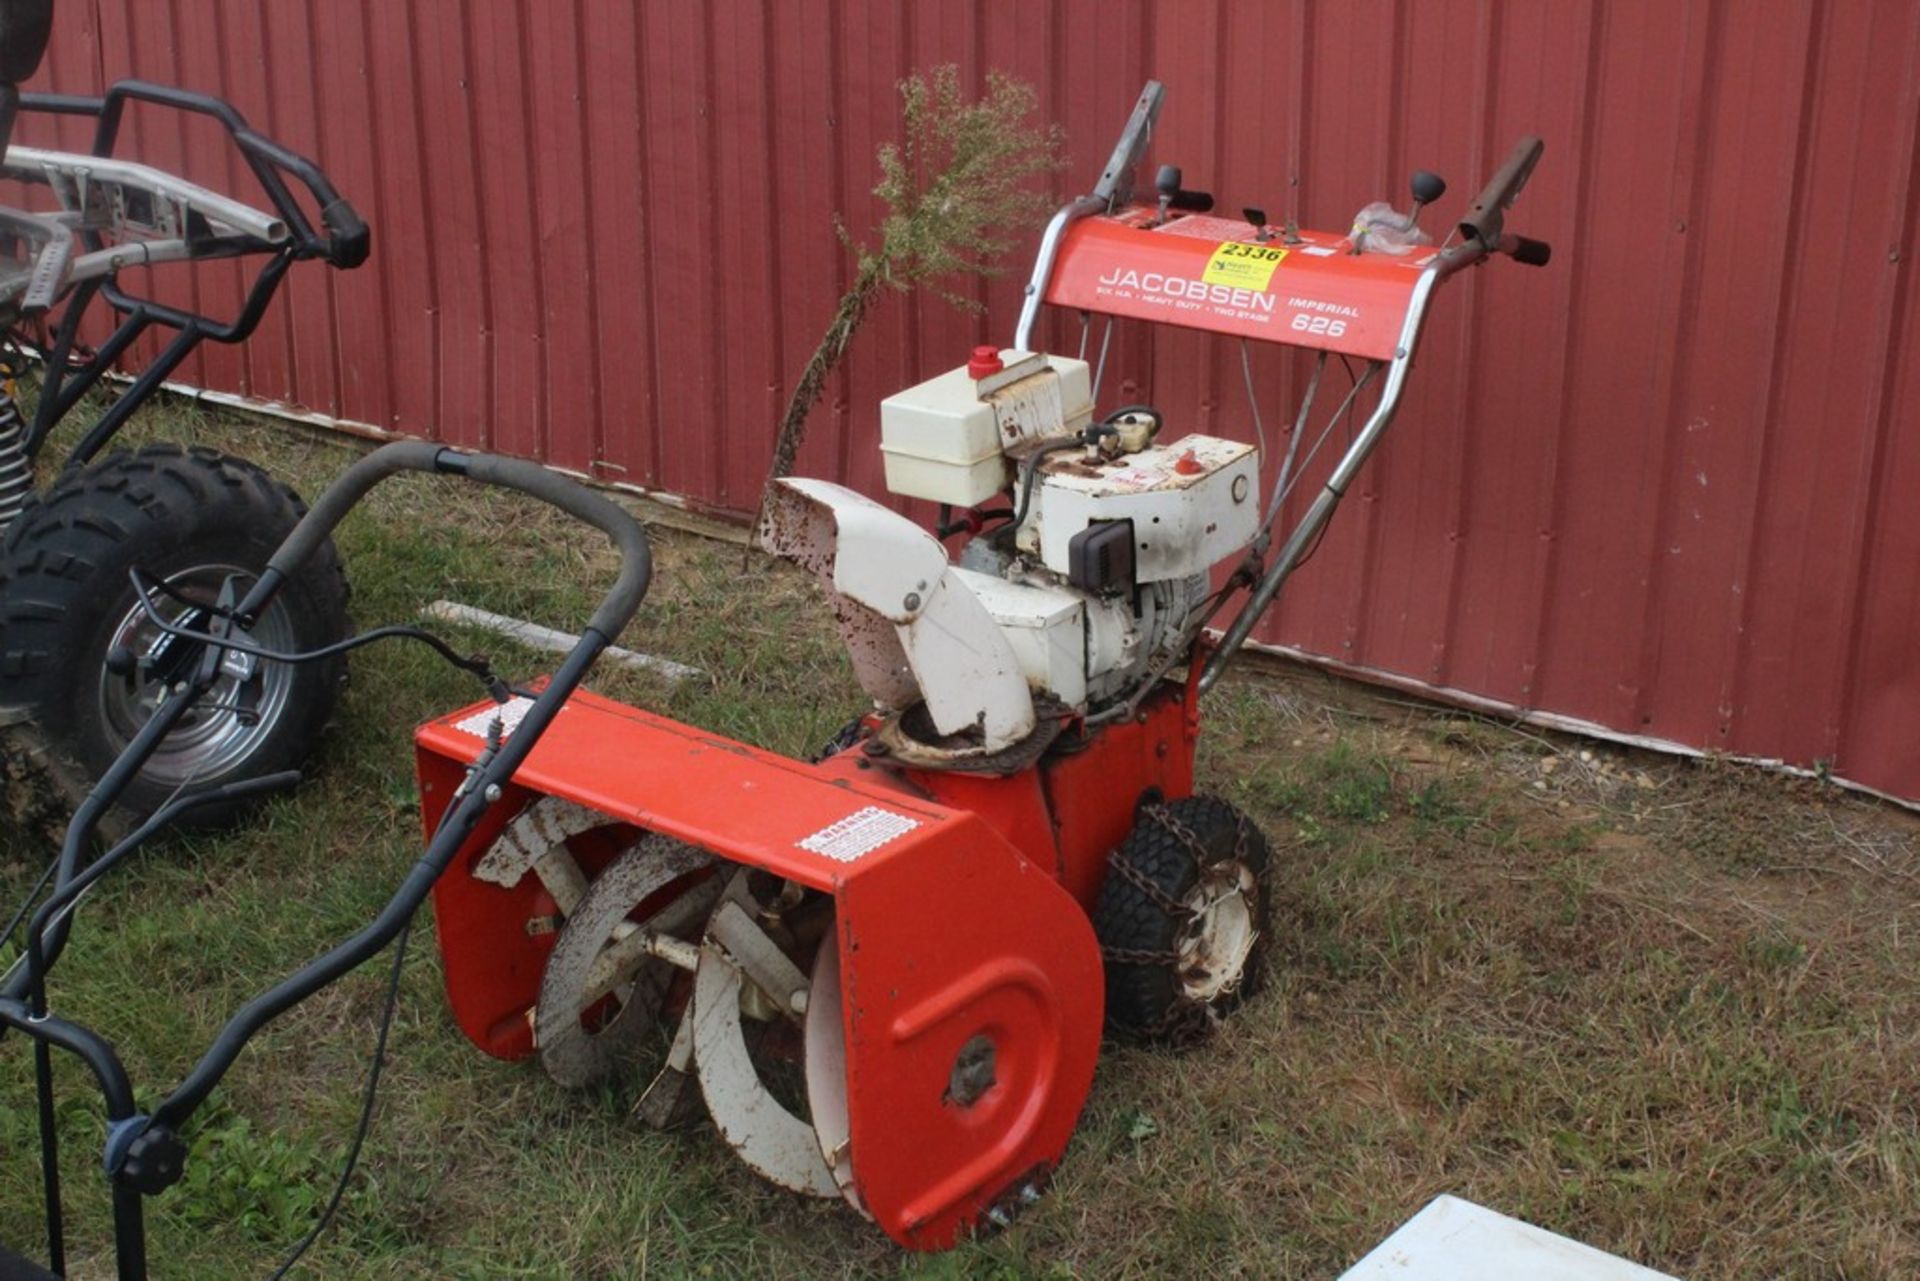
1676, 1018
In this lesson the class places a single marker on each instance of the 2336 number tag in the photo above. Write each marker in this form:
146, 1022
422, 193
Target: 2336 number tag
1240, 265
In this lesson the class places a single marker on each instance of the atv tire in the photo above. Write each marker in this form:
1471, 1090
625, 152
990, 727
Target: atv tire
188, 517
1182, 920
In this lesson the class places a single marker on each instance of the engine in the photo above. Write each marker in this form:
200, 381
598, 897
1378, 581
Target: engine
1099, 563
1087, 566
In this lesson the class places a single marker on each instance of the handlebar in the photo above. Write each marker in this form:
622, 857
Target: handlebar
616, 610
347, 240
1482, 234
488, 774
1485, 219
1527, 251
531, 479
496, 764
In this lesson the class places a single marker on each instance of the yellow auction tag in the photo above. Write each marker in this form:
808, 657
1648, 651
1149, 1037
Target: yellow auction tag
1242, 266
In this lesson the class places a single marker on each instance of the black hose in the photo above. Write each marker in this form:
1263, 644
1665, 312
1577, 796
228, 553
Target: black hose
143, 586
1029, 469
1125, 410
1030, 465
369, 1094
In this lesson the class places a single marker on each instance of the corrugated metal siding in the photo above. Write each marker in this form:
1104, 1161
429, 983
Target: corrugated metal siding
1666, 486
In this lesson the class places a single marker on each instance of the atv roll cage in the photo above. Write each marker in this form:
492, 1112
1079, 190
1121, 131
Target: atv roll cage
125, 214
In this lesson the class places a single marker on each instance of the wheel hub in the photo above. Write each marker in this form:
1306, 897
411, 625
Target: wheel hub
236, 715
1214, 946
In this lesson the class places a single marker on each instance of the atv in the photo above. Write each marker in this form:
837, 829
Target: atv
84, 276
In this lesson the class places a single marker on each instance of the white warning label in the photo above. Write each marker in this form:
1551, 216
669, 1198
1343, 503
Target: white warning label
511, 713
859, 833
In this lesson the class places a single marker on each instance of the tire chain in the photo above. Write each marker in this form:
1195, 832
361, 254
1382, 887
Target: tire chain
1183, 1024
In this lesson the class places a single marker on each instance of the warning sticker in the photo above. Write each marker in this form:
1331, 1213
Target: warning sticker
511, 713
859, 833
1243, 266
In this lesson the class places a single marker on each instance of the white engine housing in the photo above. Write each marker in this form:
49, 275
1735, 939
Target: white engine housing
975, 641
1193, 503
1080, 648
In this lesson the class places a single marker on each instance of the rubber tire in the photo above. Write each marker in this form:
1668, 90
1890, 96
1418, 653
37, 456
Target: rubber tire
25, 26
1144, 1002
64, 588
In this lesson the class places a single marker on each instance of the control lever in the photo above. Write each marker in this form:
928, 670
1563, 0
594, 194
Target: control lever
1486, 217
1485, 220
1428, 187
1174, 196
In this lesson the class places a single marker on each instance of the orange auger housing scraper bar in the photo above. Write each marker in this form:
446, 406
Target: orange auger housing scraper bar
884, 973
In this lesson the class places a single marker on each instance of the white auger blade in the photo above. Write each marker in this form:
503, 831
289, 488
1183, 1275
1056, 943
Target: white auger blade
768, 1137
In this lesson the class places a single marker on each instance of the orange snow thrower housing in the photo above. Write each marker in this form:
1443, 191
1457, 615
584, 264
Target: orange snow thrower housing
961, 904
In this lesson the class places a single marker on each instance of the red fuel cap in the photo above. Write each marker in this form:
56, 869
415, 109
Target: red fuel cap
986, 360
1187, 465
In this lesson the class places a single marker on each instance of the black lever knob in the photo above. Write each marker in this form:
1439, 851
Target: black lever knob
1167, 180
1428, 186
153, 1161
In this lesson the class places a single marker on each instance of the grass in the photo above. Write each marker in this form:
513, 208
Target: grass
1666, 1007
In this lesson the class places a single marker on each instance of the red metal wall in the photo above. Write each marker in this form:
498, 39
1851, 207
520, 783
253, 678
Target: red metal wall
1667, 486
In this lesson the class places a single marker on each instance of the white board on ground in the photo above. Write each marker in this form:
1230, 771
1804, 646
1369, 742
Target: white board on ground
1455, 1240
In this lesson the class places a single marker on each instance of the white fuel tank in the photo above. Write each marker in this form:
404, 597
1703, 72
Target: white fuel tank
945, 440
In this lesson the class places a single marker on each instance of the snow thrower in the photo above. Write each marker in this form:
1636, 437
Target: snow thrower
1028, 765
885, 972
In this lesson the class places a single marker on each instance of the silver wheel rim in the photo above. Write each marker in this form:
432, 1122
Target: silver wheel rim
1214, 945
211, 740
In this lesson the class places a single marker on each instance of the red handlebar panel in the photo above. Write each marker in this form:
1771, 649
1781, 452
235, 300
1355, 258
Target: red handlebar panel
1214, 274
